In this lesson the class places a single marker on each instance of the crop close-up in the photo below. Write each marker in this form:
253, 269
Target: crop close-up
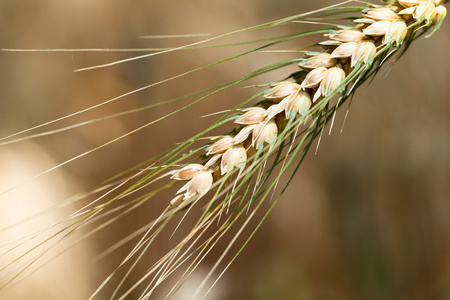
306, 157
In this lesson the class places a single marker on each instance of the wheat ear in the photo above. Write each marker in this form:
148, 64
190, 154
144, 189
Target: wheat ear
348, 57
349, 53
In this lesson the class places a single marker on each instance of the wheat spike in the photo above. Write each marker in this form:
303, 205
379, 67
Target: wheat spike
381, 27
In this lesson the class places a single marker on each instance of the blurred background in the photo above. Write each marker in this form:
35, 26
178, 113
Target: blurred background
367, 217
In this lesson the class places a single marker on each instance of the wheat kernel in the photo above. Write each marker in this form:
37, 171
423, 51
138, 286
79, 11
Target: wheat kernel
364, 53
347, 35
281, 91
253, 115
233, 157
314, 78
377, 29
221, 145
317, 61
244, 133
264, 132
381, 14
364, 21
410, 3
187, 172
396, 33
330, 43
300, 104
345, 50
200, 184
331, 80
425, 11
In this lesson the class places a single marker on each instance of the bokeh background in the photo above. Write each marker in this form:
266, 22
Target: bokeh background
367, 217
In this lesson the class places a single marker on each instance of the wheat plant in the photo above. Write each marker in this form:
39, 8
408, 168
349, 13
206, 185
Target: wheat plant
214, 190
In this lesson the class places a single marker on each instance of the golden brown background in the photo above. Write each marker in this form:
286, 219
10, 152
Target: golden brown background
368, 217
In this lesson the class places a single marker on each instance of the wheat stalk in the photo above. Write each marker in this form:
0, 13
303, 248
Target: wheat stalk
281, 127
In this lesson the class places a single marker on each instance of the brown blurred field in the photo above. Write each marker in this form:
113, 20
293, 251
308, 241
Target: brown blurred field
367, 217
